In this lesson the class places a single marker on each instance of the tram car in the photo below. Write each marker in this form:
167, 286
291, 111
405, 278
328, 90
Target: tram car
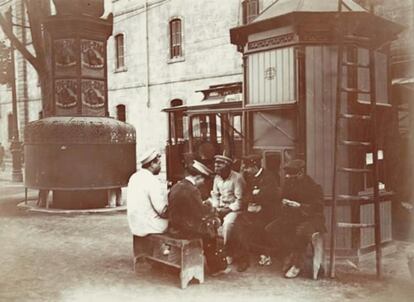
214, 126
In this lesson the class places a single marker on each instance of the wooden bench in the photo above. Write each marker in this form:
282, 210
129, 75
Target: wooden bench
318, 259
184, 254
317, 246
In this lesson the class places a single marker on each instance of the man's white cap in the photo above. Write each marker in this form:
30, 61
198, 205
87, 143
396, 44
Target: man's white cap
148, 156
201, 168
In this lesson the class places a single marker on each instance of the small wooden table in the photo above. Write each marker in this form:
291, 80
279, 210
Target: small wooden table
184, 254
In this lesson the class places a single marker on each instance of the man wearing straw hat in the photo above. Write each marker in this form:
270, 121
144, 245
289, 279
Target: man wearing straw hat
146, 198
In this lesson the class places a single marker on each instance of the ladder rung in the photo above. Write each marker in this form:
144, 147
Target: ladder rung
354, 170
353, 64
355, 90
355, 116
357, 38
355, 225
354, 197
355, 143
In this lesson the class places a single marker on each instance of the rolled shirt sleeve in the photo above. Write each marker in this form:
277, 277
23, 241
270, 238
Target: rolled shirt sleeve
158, 197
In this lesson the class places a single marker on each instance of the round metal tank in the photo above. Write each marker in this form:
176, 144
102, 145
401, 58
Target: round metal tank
78, 153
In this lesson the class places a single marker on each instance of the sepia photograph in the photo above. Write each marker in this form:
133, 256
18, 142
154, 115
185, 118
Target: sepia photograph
207, 150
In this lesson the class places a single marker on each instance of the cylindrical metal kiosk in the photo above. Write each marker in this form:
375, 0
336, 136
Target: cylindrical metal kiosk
79, 153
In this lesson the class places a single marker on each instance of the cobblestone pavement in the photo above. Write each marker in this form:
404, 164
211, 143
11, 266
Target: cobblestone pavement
89, 258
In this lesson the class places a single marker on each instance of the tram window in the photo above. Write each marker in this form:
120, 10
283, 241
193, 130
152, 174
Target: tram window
185, 126
237, 125
218, 129
178, 120
196, 126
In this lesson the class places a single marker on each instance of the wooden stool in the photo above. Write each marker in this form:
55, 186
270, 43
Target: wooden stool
184, 254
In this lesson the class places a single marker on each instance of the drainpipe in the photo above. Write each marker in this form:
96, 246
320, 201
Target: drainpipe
147, 88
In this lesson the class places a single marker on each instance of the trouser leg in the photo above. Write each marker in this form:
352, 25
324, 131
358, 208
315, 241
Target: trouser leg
229, 236
301, 239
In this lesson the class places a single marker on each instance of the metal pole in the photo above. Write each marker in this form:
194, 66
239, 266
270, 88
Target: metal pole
377, 208
15, 146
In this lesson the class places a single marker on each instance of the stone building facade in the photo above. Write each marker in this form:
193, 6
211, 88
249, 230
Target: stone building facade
161, 64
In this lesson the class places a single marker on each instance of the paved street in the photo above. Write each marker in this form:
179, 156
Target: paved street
88, 257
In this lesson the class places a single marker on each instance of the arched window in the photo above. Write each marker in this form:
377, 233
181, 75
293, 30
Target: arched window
119, 51
176, 38
120, 113
176, 102
250, 10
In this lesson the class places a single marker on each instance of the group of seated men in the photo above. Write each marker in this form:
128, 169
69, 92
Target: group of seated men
249, 207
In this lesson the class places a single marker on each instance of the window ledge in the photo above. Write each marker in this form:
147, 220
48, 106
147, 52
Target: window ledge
121, 69
385, 105
176, 60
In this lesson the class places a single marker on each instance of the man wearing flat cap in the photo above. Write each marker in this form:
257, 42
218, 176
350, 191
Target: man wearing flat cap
189, 216
227, 197
301, 216
147, 198
262, 193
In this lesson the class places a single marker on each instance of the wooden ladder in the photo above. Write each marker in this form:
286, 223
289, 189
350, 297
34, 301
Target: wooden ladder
340, 143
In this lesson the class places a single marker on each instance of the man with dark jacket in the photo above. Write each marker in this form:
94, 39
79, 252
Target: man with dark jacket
301, 216
264, 199
189, 216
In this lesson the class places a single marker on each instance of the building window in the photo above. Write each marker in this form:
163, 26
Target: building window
121, 113
250, 10
120, 51
176, 39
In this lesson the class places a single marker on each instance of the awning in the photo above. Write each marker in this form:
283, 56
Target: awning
211, 105
403, 90
407, 82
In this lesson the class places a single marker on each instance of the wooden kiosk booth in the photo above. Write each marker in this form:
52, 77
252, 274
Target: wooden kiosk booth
291, 66
289, 108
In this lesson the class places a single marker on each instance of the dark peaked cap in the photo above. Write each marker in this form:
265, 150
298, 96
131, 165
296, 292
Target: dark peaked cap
295, 165
252, 159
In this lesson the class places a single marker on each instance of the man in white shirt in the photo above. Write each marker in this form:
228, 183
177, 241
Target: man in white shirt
147, 198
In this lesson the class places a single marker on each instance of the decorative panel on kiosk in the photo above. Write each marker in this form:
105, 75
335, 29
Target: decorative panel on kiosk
66, 96
65, 57
92, 57
93, 97
271, 77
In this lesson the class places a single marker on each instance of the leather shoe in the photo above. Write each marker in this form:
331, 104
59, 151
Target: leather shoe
243, 266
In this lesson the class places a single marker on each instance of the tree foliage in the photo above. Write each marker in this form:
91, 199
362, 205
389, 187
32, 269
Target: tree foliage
37, 11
